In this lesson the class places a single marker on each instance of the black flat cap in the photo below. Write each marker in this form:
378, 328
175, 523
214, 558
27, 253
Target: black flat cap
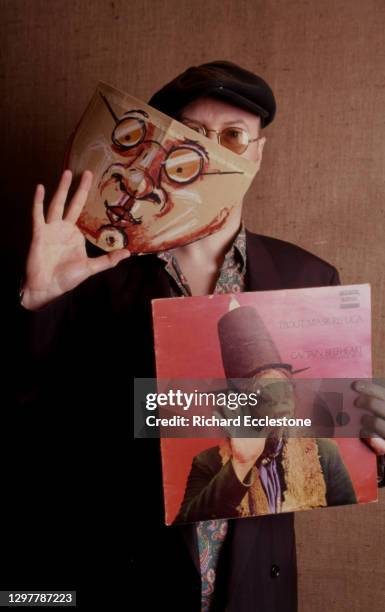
219, 79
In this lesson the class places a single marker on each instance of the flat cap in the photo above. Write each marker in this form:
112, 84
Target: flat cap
219, 79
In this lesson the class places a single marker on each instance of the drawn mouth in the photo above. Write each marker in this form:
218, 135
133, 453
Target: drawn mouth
120, 214
120, 211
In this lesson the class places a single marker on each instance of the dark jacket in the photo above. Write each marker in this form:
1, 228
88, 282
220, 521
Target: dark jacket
213, 489
84, 350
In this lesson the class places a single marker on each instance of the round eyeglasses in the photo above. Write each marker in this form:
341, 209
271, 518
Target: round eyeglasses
234, 138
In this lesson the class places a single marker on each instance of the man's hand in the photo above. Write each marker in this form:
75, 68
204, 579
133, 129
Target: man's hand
245, 453
372, 398
276, 399
57, 260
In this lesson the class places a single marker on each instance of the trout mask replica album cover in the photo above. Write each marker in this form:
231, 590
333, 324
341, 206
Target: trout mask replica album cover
272, 340
158, 184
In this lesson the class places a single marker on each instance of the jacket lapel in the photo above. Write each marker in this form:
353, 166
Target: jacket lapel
262, 274
190, 537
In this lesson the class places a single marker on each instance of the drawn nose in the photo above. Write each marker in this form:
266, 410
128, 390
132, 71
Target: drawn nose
138, 182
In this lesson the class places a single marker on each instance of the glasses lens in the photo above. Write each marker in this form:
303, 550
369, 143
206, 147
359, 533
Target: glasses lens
183, 165
234, 139
129, 132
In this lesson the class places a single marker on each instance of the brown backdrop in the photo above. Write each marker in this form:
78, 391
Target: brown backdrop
322, 183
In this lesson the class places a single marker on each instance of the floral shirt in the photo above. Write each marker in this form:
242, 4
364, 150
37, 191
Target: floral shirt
211, 534
232, 274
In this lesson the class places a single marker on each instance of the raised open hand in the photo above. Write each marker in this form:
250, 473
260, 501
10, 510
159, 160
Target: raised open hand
57, 260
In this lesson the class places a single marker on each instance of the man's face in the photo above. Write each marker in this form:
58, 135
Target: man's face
216, 115
276, 392
158, 184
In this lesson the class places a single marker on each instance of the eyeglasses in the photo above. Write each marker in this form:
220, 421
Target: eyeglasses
234, 138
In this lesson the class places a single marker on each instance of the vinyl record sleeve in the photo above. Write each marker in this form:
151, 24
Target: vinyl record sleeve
323, 333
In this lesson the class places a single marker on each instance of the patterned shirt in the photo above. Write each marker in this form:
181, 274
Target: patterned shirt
211, 534
232, 274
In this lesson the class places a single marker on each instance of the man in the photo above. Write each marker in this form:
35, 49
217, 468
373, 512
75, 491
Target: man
90, 332
263, 474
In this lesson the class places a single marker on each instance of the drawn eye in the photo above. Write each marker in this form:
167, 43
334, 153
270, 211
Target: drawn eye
129, 132
183, 165
111, 238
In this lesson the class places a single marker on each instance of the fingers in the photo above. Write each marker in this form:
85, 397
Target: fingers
38, 208
80, 197
371, 403
373, 425
370, 388
376, 444
56, 208
372, 398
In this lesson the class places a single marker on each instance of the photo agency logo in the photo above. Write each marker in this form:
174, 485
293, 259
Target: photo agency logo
222, 407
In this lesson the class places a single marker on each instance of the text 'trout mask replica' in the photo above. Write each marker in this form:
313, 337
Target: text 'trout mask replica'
157, 183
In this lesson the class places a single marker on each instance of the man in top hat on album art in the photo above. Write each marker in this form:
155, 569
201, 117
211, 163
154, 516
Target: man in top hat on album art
269, 473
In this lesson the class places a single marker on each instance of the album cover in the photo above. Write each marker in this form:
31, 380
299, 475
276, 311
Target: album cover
157, 183
269, 340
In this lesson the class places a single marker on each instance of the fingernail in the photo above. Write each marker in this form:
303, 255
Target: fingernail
360, 386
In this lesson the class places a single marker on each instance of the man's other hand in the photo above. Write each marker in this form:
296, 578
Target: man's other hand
372, 399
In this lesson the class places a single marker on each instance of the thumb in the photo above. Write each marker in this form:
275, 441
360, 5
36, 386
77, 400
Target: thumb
104, 262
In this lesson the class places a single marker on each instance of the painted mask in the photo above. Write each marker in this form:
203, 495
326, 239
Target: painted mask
157, 183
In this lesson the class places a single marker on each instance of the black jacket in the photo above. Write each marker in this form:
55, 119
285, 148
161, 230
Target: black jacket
83, 352
213, 490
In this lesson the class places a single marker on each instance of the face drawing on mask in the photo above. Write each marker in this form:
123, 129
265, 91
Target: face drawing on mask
156, 185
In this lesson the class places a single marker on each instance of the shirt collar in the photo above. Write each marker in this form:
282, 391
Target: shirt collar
239, 247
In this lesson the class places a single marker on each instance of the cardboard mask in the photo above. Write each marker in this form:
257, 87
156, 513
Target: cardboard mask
157, 183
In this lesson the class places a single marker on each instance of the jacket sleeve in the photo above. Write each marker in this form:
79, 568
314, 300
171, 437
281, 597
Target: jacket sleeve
335, 277
41, 328
213, 490
42, 334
